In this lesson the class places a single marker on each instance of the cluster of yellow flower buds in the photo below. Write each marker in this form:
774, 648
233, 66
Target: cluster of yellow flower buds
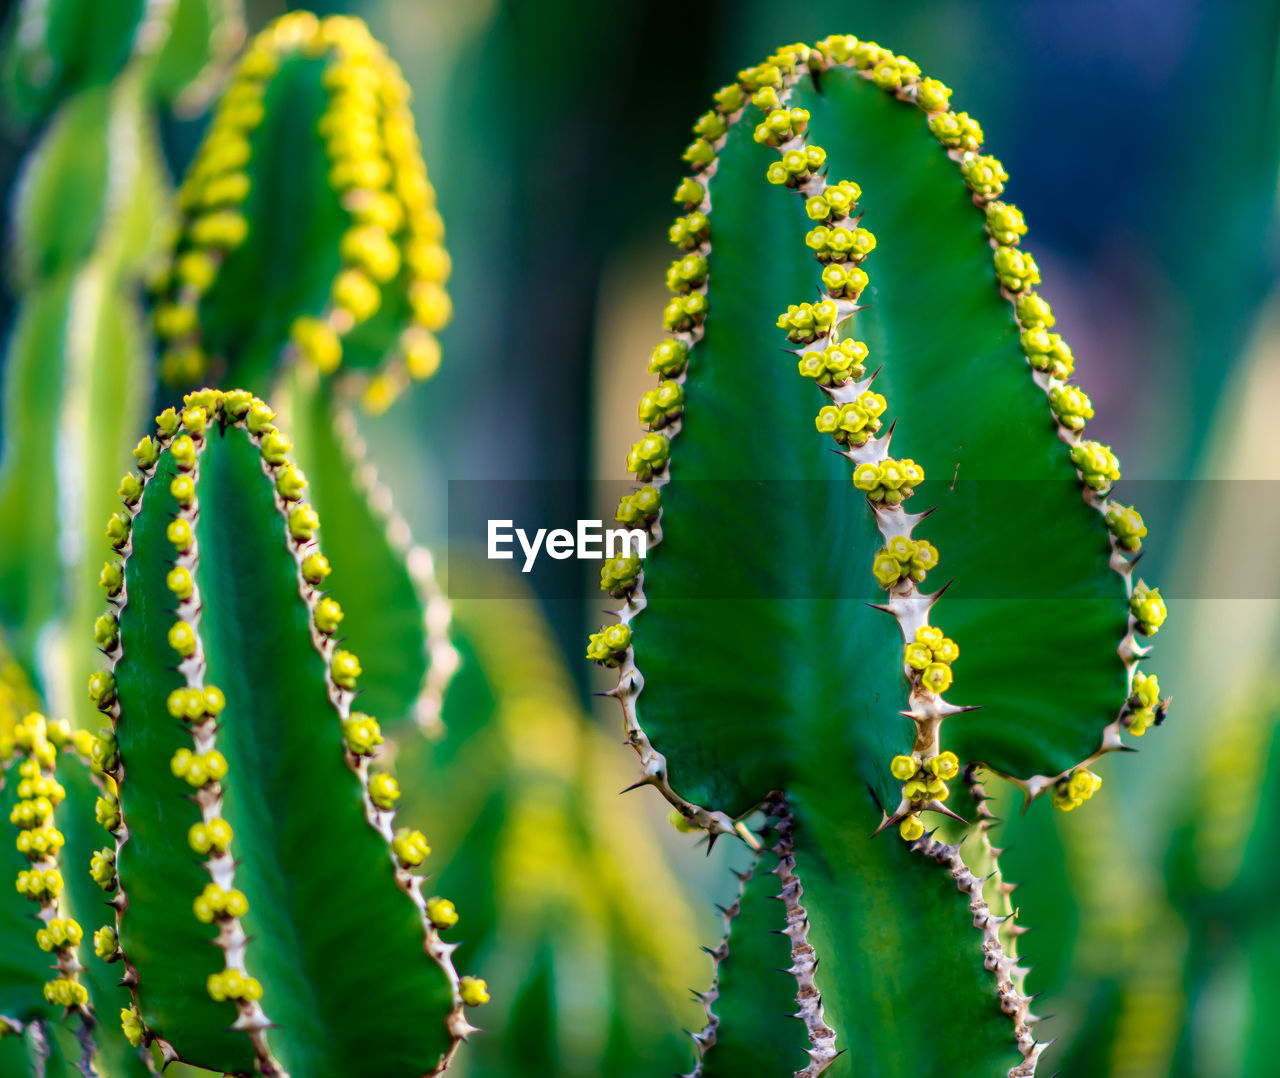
214, 903
1073, 790
902, 558
929, 656
888, 481
609, 646
231, 984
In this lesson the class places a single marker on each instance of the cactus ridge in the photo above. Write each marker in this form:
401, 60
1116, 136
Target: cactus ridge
705, 1038
442, 659
804, 959
999, 962
181, 442
390, 254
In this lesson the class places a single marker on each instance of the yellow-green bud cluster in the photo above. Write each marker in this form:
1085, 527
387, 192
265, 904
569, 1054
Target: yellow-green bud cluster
1071, 405
38, 883
1145, 708
231, 984
211, 837
662, 406
191, 704
60, 934
473, 990
804, 323
835, 365
855, 422
609, 646
640, 507
649, 456
198, 768
669, 358
106, 945
902, 558
1048, 352
925, 780
361, 734
619, 575
780, 126
131, 1024
1148, 609
888, 481
441, 912
66, 993
1097, 465
1125, 523
1073, 790
410, 847
107, 811
102, 867
216, 903
836, 200
840, 244
928, 659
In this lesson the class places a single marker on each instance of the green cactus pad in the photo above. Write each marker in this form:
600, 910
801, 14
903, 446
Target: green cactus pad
326, 958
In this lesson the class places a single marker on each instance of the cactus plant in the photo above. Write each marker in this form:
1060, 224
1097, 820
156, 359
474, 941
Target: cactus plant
54, 977
233, 736
76, 375
822, 690
308, 222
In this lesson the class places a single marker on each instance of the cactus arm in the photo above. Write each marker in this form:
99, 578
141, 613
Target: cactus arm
203, 34
271, 693
397, 617
76, 379
62, 190
770, 699
29, 566
309, 228
59, 47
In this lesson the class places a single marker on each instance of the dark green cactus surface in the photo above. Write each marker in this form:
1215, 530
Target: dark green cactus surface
783, 644
267, 913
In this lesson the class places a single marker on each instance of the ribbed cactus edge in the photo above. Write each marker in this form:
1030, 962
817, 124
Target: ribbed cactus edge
182, 434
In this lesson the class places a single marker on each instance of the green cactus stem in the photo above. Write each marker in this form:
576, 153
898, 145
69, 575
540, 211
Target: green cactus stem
801, 685
309, 226
61, 46
234, 736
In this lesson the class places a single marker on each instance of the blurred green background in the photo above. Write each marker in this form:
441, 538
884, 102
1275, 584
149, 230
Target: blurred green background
1142, 137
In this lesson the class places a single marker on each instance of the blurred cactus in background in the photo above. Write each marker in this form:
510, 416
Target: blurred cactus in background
325, 792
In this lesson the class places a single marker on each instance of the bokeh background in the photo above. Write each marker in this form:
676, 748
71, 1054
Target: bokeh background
1143, 138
